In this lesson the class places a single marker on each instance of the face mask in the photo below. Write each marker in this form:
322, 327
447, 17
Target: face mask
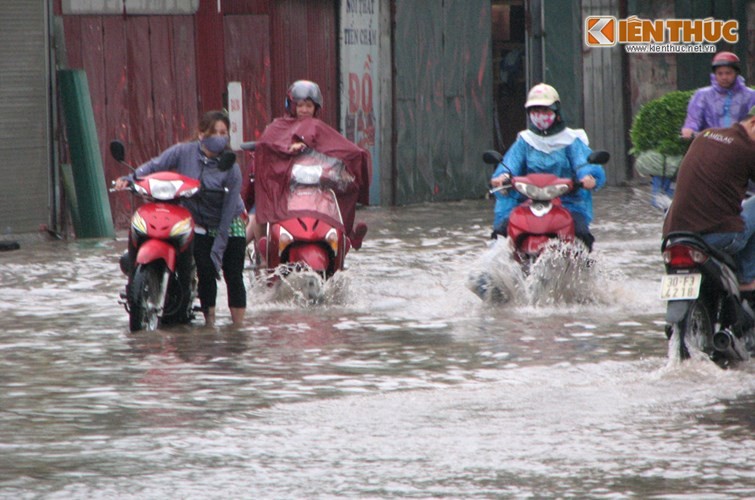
543, 120
215, 144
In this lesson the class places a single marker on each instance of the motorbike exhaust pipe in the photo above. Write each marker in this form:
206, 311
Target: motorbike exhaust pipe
724, 341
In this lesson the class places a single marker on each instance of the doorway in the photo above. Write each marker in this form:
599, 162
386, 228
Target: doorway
509, 75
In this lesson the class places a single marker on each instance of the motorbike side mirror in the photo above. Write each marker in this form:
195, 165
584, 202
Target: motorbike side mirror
227, 160
492, 157
599, 157
117, 151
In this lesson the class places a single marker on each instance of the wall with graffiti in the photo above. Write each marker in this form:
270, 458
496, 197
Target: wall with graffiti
360, 60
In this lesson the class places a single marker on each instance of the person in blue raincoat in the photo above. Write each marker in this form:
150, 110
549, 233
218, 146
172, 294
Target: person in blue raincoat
549, 146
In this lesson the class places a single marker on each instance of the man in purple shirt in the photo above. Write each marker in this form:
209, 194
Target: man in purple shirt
726, 101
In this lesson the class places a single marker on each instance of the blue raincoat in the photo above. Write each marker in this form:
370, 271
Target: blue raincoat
563, 154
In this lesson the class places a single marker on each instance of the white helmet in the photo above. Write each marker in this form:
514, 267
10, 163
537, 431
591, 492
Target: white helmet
542, 94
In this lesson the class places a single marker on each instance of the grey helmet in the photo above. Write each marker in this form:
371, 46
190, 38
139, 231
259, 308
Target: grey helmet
301, 90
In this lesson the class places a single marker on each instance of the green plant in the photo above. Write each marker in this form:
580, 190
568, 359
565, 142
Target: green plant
658, 123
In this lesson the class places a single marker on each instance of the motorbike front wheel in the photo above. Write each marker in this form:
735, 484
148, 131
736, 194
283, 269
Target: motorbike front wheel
695, 330
182, 290
143, 297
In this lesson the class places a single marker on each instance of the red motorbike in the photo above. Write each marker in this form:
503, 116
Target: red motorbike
312, 237
541, 218
159, 263
547, 270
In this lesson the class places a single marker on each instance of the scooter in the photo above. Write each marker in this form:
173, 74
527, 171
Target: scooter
542, 218
545, 267
312, 238
159, 263
705, 310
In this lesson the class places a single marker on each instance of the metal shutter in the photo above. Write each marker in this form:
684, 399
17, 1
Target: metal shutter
24, 117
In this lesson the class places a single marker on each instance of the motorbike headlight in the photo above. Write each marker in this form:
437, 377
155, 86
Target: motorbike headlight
181, 230
541, 193
555, 190
164, 190
332, 238
528, 190
284, 239
306, 174
138, 224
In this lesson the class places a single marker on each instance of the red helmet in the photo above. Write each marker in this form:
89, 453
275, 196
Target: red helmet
725, 59
301, 90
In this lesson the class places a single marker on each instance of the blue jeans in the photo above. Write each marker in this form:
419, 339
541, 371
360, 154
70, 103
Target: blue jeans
665, 185
739, 245
663, 191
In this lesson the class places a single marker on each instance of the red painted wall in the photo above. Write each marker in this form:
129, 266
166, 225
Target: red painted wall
150, 77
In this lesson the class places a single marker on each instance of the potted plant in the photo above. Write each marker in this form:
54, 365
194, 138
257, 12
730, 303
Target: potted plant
656, 142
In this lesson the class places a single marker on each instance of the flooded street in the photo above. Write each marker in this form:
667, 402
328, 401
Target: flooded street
403, 384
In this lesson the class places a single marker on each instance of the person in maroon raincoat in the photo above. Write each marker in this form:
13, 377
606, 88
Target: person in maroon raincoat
288, 136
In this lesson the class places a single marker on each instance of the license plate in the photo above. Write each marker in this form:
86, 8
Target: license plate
680, 286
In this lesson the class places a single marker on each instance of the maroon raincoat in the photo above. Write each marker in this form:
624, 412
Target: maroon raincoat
273, 162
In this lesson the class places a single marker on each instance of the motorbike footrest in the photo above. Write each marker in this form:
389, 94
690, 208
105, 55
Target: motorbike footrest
124, 303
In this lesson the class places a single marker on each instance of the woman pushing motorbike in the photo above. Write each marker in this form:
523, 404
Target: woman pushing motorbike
549, 146
218, 211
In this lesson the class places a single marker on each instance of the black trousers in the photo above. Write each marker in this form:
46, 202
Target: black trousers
233, 271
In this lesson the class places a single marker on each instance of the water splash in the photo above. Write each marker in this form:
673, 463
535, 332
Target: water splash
698, 360
497, 277
300, 287
565, 273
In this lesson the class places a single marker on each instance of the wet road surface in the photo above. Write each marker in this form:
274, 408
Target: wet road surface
402, 384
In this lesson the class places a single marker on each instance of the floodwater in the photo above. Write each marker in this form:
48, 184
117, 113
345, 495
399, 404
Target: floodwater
403, 383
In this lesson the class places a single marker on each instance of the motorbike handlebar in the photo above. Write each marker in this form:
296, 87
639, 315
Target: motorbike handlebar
503, 187
128, 186
507, 185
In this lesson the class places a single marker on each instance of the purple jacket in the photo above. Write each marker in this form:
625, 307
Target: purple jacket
708, 106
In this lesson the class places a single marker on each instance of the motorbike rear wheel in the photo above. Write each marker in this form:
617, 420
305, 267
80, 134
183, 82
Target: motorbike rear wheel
144, 294
695, 330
